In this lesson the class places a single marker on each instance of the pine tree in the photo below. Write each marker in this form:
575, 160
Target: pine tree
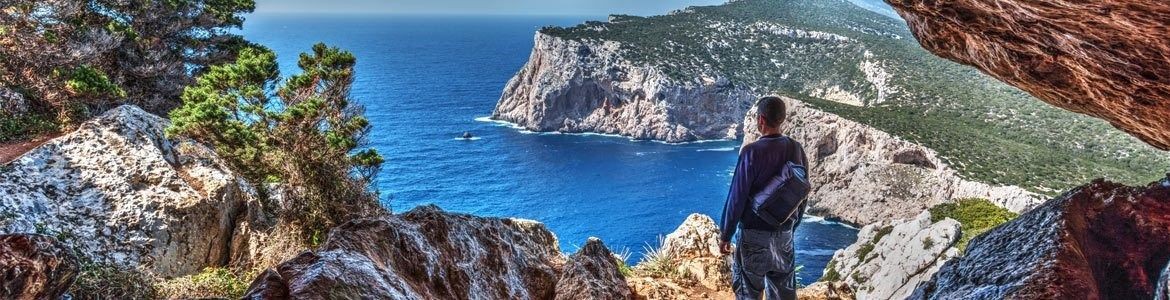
73, 59
304, 132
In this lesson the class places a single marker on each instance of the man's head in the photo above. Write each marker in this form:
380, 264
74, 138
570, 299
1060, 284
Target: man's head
772, 111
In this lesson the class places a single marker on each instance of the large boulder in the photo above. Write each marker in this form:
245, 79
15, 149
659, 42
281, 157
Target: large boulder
35, 267
423, 254
123, 195
890, 259
1100, 241
592, 273
1106, 59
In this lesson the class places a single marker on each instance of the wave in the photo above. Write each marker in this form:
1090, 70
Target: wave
524, 130
822, 220
724, 149
816, 252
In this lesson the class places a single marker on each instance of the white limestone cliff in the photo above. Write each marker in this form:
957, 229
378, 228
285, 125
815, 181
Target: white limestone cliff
575, 86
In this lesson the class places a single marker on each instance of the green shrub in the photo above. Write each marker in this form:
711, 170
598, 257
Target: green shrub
831, 274
863, 252
24, 126
86, 80
211, 283
976, 216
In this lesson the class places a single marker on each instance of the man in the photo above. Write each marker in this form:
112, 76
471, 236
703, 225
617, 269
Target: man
763, 260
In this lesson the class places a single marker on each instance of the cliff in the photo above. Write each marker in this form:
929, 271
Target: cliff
1103, 59
583, 86
863, 175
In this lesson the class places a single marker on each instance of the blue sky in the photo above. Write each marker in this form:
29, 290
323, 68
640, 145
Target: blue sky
476, 7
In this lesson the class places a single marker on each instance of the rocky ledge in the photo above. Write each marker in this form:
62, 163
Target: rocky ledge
575, 86
1099, 241
863, 175
1106, 59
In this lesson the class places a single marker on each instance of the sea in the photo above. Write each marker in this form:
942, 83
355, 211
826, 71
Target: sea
425, 80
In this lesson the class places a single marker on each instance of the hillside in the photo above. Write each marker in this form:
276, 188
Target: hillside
866, 67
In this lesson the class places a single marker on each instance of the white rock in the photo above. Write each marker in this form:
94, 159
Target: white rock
909, 254
124, 195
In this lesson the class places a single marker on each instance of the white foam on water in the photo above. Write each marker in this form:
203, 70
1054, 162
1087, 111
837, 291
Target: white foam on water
523, 130
822, 220
724, 149
474, 138
817, 252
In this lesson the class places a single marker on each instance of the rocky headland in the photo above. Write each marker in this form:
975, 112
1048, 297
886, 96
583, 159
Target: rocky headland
582, 86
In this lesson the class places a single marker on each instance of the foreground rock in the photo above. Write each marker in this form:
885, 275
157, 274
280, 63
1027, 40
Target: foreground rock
430, 254
688, 265
35, 267
890, 259
1099, 241
123, 195
1103, 59
826, 291
592, 273
574, 86
863, 175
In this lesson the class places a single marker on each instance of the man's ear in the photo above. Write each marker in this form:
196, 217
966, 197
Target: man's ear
761, 121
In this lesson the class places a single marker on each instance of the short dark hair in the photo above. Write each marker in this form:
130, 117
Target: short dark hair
773, 109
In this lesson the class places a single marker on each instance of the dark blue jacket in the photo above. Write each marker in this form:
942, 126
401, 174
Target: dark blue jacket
758, 163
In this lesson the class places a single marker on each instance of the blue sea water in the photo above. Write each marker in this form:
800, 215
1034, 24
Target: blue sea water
426, 80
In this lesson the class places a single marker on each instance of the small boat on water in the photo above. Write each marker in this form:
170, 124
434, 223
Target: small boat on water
467, 135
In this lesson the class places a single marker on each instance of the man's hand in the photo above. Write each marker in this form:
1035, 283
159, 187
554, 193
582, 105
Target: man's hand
725, 248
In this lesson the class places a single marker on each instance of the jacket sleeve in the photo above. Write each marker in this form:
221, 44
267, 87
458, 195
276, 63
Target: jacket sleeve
737, 197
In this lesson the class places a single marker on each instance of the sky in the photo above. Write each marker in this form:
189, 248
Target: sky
480, 7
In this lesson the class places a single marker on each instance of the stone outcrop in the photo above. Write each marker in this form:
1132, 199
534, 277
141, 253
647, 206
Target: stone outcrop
891, 258
863, 175
575, 86
592, 273
424, 254
826, 291
12, 103
689, 265
123, 195
1099, 241
126, 199
35, 267
1107, 59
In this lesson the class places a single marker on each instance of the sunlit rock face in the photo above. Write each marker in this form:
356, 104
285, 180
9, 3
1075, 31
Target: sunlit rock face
1107, 59
122, 194
1099, 241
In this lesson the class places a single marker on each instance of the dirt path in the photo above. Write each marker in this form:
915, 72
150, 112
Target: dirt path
11, 150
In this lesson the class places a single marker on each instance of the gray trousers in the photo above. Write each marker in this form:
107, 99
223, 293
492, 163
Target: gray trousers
763, 264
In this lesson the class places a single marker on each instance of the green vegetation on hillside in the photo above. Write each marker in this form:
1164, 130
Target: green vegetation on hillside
988, 131
976, 216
